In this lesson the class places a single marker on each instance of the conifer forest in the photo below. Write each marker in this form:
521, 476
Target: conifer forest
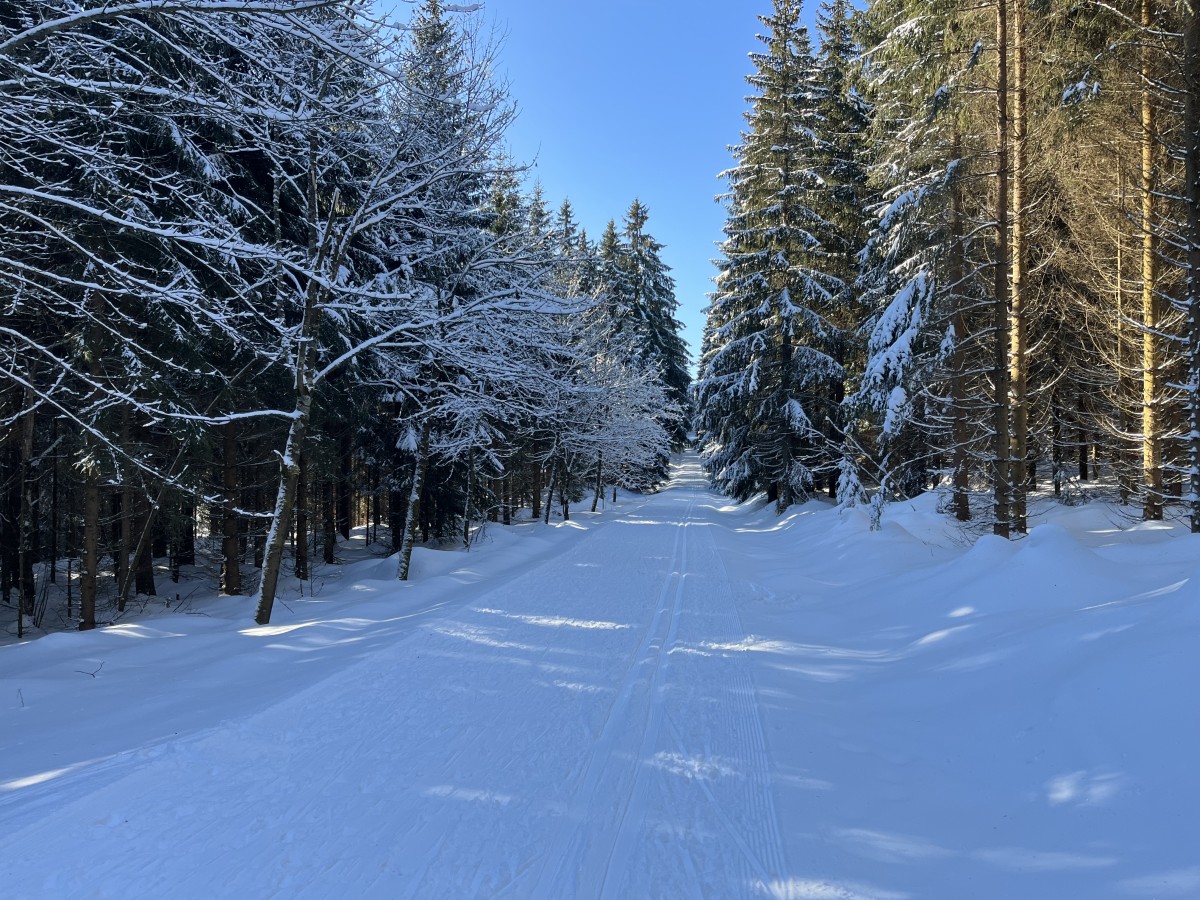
963, 248
383, 515
268, 274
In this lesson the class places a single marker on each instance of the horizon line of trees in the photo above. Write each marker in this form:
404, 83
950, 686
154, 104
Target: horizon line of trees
267, 274
962, 248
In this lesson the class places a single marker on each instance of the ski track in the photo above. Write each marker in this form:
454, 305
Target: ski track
585, 729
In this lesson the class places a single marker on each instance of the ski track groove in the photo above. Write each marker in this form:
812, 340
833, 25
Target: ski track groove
634, 813
572, 847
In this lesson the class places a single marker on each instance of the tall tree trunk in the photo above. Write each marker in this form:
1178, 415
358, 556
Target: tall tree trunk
1002, 485
1019, 438
89, 574
467, 502
1152, 428
413, 517
550, 493
328, 521
535, 490
958, 361
1191, 152
143, 557
124, 557
345, 500
300, 541
26, 591
54, 510
231, 574
1127, 465
599, 481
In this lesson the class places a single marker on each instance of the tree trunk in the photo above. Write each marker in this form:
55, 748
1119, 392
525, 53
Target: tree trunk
1126, 463
961, 483
143, 557
1018, 349
467, 502
413, 518
550, 493
599, 481
1152, 429
300, 541
328, 521
345, 500
231, 573
535, 491
89, 574
26, 591
1191, 152
1002, 485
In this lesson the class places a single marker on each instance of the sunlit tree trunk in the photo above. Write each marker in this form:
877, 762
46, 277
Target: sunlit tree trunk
1019, 438
1002, 485
1152, 428
1191, 149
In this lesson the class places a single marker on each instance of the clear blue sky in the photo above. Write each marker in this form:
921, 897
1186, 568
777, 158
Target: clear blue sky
620, 99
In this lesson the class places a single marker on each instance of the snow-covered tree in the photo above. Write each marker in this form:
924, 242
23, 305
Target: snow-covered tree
770, 377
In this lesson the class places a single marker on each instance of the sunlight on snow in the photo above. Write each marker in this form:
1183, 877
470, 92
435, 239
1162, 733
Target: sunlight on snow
557, 621
470, 795
41, 778
800, 889
691, 766
1083, 789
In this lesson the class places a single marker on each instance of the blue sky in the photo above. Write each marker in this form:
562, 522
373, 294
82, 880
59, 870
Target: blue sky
620, 99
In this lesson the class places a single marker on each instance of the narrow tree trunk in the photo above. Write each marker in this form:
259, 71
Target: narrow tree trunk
26, 591
1152, 434
550, 494
507, 504
54, 511
599, 481
413, 518
345, 500
1019, 438
467, 502
143, 557
1191, 151
535, 491
1002, 485
328, 521
89, 574
231, 574
1126, 479
124, 557
300, 541
961, 483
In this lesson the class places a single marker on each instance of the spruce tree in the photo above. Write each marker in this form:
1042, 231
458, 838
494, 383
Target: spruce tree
771, 380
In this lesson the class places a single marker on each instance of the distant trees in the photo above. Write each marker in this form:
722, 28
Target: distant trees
268, 276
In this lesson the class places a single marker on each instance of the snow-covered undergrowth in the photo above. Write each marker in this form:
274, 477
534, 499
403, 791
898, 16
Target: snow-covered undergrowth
678, 697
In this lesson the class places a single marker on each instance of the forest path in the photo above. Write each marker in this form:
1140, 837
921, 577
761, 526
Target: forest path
587, 728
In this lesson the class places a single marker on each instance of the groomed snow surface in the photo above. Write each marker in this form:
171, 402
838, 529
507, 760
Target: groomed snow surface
676, 698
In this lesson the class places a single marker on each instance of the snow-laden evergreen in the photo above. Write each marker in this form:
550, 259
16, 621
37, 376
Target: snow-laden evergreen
772, 369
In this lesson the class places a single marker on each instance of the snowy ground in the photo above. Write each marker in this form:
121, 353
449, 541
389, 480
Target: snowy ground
677, 698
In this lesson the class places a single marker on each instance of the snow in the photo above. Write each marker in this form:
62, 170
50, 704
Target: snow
678, 697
